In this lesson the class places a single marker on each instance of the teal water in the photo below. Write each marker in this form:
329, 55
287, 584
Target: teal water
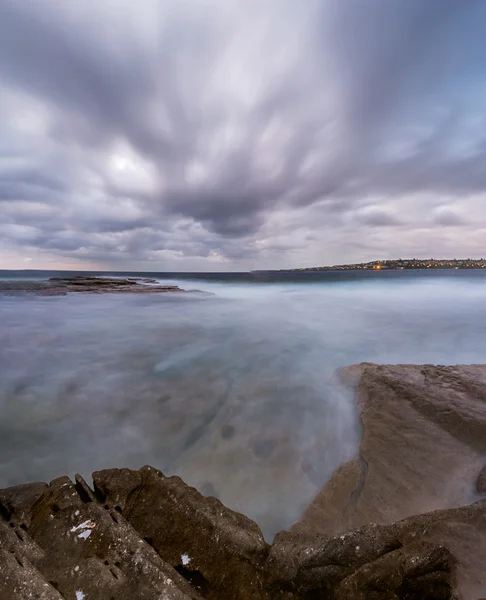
235, 392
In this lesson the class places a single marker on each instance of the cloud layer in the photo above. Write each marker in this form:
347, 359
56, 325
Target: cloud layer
197, 134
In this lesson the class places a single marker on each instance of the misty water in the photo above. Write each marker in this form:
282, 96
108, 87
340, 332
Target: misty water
235, 392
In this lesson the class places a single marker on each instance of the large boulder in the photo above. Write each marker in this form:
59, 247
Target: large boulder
207, 542
82, 549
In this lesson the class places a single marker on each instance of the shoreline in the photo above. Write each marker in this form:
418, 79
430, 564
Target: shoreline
413, 496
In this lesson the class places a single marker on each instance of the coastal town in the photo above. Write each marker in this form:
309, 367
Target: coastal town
402, 264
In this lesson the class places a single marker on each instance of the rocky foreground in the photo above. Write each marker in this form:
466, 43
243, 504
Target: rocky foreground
140, 535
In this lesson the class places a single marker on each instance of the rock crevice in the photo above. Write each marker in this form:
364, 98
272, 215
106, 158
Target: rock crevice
139, 534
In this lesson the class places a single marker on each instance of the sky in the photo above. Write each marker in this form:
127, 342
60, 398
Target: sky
222, 135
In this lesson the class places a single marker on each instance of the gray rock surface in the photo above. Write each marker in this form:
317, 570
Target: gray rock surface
138, 534
60, 286
422, 448
199, 536
416, 571
104, 285
83, 549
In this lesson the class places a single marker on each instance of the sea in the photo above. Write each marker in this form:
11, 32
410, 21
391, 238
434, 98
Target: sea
233, 387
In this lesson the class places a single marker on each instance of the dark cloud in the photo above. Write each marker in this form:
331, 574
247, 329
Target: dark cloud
244, 133
376, 217
448, 217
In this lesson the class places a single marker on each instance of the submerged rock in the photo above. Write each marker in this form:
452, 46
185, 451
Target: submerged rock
60, 286
105, 285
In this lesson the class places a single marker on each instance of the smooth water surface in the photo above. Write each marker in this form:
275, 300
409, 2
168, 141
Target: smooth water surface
235, 392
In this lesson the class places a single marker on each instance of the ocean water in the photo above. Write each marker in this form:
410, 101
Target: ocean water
236, 391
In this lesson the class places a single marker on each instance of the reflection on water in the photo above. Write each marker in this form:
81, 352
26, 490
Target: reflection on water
235, 392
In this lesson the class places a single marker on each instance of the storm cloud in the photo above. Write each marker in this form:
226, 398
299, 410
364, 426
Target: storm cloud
200, 134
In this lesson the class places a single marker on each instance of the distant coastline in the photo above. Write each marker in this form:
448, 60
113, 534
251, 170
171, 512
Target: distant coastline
402, 264
377, 270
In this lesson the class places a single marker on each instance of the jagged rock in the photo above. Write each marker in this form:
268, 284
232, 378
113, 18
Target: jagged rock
306, 563
314, 565
89, 549
414, 572
199, 536
463, 531
18, 576
141, 535
17, 502
17, 541
19, 580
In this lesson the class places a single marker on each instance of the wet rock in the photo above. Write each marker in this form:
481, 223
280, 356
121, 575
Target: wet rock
416, 419
16, 502
412, 559
198, 536
19, 579
418, 571
424, 435
17, 541
141, 535
86, 284
60, 286
85, 547
312, 562
142, 279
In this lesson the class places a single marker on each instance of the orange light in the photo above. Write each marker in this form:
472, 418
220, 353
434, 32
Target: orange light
378, 267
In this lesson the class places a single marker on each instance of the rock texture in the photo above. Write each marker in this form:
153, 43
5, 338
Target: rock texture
82, 549
140, 535
102, 285
216, 548
423, 448
60, 286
